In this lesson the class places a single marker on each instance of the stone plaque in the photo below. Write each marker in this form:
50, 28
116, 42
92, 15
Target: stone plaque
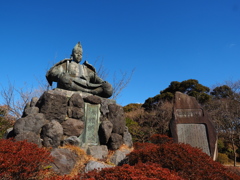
92, 121
191, 125
195, 135
186, 113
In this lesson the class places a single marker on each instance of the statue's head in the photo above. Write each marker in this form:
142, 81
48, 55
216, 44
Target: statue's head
77, 53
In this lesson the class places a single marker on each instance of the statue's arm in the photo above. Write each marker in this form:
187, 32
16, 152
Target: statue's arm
97, 79
57, 71
53, 75
80, 82
94, 78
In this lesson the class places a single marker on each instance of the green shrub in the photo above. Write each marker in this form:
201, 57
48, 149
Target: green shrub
131, 107
4, 125
222, 158
221, 146
134, 129
130, 122
6, 120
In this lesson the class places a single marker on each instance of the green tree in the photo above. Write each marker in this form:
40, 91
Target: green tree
190, 87
223, 91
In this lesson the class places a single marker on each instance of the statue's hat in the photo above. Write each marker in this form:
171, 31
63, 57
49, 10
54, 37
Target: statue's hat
77, 47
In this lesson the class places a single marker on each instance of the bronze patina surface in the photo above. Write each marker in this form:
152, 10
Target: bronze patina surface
70, 75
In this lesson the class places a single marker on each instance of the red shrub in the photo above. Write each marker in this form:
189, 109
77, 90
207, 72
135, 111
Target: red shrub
235, 170
63, 177
138, 145
163, 160
22, 160
160, 139
139, 172
189, 162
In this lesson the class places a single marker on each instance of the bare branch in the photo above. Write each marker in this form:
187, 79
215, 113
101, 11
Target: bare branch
101, 71
234, 85
17, 98
8, 95
120, 84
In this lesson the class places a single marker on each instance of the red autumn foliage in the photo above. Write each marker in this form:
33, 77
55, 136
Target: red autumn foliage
138, 146
160, 139
188, 162
163, 160
233, 169
21, 160
63, 177
139, 171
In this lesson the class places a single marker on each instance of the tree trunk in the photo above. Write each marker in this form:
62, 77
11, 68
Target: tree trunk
234, 150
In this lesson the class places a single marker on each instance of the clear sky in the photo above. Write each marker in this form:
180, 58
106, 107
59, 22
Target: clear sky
164, 40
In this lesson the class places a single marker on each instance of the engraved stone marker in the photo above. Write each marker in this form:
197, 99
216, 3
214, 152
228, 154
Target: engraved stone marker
190, 125
90, 134
195, 135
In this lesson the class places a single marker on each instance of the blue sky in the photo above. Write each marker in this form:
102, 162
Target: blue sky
164, 40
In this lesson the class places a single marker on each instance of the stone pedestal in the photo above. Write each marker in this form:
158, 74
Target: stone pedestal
60, 116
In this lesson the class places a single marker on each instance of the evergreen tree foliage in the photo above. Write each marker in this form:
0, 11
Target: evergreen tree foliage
190, 87
223, 91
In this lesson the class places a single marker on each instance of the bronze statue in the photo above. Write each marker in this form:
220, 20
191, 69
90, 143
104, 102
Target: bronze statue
70, 75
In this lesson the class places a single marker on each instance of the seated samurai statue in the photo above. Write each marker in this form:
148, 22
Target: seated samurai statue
70, 75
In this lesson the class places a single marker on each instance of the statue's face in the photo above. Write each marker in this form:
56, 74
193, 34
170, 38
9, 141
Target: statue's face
77, 56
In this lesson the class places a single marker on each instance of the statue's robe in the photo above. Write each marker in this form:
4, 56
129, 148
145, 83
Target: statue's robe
72, 76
